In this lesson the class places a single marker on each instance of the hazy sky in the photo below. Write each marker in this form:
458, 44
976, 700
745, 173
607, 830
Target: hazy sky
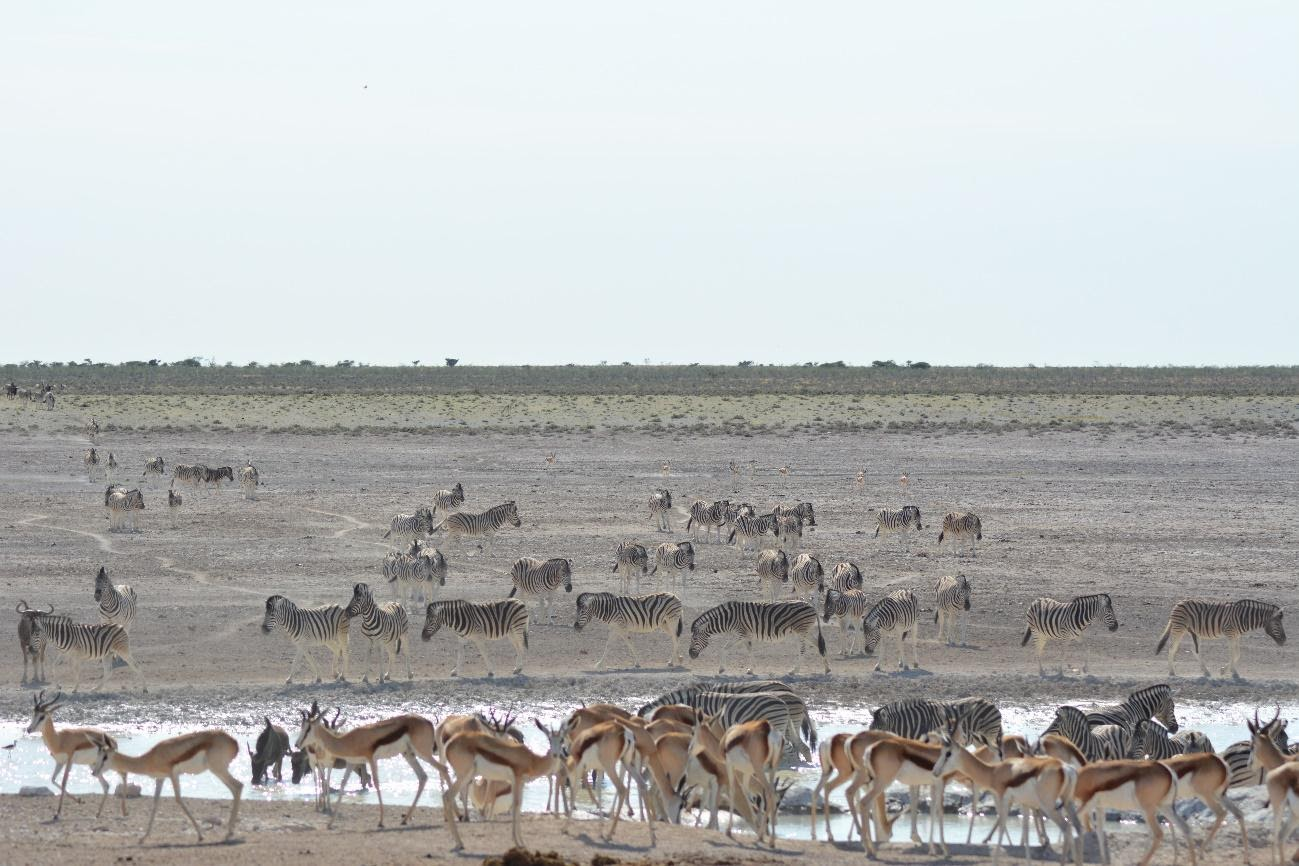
959, 182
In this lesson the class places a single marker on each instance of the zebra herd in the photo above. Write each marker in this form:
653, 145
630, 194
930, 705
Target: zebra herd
42, 393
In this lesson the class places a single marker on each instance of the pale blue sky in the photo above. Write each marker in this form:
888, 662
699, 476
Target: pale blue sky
961, 182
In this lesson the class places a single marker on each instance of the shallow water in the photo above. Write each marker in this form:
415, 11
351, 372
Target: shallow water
27, 763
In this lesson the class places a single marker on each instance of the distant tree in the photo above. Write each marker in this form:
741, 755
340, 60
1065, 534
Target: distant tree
153, 362
626, 363
888, 365
833, 364
188, 362
746, 363
306, 363
344, 364
253, 364
809, 364
451, 362
414, 363
918, 365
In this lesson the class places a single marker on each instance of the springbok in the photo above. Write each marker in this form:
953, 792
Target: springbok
1148, 787
1281, 775
210, 751
752, 753
1206, 777
67, 746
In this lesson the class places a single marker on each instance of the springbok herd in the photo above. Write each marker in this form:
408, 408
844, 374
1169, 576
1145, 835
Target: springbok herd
715, 746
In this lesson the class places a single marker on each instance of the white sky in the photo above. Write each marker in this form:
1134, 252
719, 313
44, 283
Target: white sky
961, 182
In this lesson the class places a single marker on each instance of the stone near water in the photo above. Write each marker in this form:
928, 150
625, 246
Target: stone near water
130, 790
35, 791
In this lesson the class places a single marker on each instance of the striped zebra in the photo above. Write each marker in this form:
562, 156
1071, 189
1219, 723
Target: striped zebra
660, 510
844, 576
901, 522
630, 560
86, 643
476, 623
90, 461
153, 466
628, 615
174, 501
116, 603
752, 621
214, 477
48, 400
383, 624
749, 528
802, 510
897, 614
848, 606
111, 467
189, 474
789, 532
977, 721
92, 429
1151, 702
952, 602
1211, 620
406, 528
773, 571
447, 501
539, 578
736, 510
121, 505
1245, 770
326, 626
248, 480
485, 525
1158, 745
801, 733
1101, 743
708, 517
806, 576
958, 525
1049, 619
413, 572
676, 557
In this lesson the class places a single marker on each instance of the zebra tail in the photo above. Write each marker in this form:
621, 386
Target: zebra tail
513, 590
978, 536
877, 532
388, 533
820, 640
615, 568
935, 614
941, 533
680, 627
1195, 642
689, 521
525, 639
809, 731
1163, 638
1028, 633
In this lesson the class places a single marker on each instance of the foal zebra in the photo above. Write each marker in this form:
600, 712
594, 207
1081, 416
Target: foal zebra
628, 615
116, 603
539, 578
773, 570
1049, 619
447, 501
902, 522
952, 602
406, 528
174, 501
896, 614
90, 460
1210, 620
385, 624
475, 623
848, 606
325, 626
677, 556
660, 509
751, 527
153, 466
630, 560
82, 643
806, 575
248, 480
111, 467
754, 621
708, 517
121, 505
485, 525
960, 525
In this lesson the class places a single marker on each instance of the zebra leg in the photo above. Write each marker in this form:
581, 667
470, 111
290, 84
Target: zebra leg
409, 674
612, 636
76, 673
130, 663
482, 651
517, 640
631, 648
1233, 657
369, 648
915, 647
1199, 656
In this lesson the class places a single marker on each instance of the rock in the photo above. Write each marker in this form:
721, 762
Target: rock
798, 801
129, 790
35, 791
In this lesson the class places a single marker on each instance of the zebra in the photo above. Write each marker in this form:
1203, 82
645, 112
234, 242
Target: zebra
959, 525
539, 578
216, 476
789, 532
1101, 743
844, 576
475, 623
90, 460
447, 501
116, 603
952, 602
486, 525
111, 467
900, 522
385, 624
679, 556
1210, 620
121, 505
327, 626
189, 474
773, 570
709, 517
405, 528
92, 429
629, 556
848, 606
750, 527
975, 720
753, 621
82, 643
1245, 770
1158, 745
153, 466
248, 480
806, 575
11, 390
1049, 619
174, 501
897, 614
801, 733
660, 509
48, 400
802, 510
1151, 702
628, 615
414, 571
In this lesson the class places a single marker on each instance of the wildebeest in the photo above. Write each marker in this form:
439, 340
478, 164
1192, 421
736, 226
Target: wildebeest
272, 746
37, 653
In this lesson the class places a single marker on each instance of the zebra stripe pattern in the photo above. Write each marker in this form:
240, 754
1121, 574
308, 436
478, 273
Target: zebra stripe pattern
1245, 771
1151, 702
154, 466
660, 509
1102, 743
806, 575
406, 528
447, 501
189, 474
754, 621
248, 480
628, 615
326, 626
1049, 620
116, 603
216, 476
1212, 620
961, 525
485, 525
382, 624
804, 511
976, 720
112, 467
677, 557
845, 576
83, 643
902, 522
121, 505
174, 501
773, 570
476, 623
90, 460
539, 578
848, 606
708, 517
952, 602
1158, 745
630, 560
414, 572
789, 532
895, 614
749, 528
801, 734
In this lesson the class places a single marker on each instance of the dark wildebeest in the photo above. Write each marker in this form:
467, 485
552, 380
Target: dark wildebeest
272, 746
